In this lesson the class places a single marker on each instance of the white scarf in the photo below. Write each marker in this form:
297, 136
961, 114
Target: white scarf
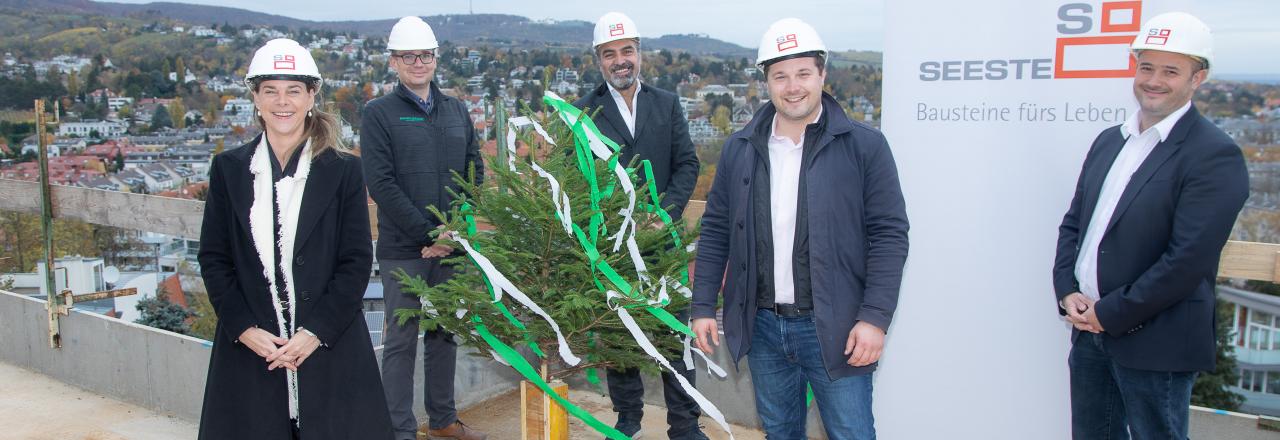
262, 228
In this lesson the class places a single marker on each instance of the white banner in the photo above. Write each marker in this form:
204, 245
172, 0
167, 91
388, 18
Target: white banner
989, 107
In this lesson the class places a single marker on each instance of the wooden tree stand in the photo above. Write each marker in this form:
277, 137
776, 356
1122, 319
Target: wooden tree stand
541, 418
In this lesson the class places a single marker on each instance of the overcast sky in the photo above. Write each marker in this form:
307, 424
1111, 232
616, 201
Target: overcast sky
1247, 31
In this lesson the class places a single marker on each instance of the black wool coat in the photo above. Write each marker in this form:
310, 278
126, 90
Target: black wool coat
339, 389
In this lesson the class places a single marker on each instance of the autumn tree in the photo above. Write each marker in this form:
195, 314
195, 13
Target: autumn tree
720, 119
177, 113
180, 68
23, 236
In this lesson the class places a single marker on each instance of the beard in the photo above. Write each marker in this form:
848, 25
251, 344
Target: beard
622, 82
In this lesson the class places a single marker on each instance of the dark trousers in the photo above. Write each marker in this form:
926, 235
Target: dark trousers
400, 347
626, 390
1111, 402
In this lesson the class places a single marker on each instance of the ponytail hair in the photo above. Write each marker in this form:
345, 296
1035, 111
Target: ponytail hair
324, 129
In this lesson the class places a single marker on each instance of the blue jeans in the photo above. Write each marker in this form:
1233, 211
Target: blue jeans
1110, 401
784, 356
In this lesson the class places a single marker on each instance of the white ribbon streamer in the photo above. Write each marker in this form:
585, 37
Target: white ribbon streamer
560, 199
706, 405
625, 234
502, 284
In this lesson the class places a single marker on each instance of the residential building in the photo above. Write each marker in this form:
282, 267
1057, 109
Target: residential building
87, 128
713, 89
1255, 325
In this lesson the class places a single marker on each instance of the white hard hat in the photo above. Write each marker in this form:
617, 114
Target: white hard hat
1177, 32
786, 37
283, 57
613, 26
411, 33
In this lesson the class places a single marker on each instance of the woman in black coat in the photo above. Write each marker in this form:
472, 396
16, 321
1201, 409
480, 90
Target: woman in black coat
285, 253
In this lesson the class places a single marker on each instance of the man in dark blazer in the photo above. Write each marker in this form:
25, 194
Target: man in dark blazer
412, 141
649, 123
1138, 248
807, 216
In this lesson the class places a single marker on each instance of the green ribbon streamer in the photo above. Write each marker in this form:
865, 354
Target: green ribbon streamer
586, 160
662, 213
521, 365
593, 374
471, 233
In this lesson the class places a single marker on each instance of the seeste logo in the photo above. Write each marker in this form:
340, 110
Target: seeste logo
1092, 43
284, 62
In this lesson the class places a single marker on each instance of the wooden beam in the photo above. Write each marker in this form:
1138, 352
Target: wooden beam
165, 215
143, 212
1249, 260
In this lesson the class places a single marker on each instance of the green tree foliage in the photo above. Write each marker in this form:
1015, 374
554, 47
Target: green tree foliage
14, 132
1212, 389
21, 91
73, 83
104, 107
161, 119
160, 313
1266, 287
529, 245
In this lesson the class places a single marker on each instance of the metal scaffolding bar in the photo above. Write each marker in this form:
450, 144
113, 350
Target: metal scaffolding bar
46, 223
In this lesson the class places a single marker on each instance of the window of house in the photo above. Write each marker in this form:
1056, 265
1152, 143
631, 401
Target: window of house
1273, 382
1262, 331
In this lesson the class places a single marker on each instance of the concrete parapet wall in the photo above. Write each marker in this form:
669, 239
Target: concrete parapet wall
161, 370
152, 368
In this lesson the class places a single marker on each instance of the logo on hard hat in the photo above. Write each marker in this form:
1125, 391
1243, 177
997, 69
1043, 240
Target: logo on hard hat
787, 41
284, 62
1158, 37
616, 30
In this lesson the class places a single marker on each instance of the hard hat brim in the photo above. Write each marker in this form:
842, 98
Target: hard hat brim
310, 81
809, 54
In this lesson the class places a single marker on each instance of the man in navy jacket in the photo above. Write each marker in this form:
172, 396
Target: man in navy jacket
807, 216
1138, 248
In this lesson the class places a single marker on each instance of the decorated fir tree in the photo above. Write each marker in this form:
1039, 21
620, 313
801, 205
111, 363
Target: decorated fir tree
570, 265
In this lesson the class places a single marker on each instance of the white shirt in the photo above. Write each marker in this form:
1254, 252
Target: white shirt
621, 101
785, 158
1135, 151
